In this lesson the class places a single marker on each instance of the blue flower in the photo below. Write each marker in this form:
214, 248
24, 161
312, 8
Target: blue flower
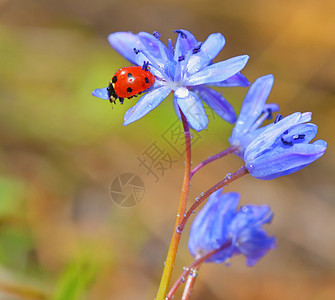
187, 71
218, 225
254, 112
284, 148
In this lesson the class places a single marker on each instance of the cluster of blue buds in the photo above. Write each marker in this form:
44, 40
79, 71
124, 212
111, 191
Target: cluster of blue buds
219, 226
280, 148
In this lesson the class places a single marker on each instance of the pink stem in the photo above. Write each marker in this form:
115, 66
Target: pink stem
195, 264
239, 173
213, 158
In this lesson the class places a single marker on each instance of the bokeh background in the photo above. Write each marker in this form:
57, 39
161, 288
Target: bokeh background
61, 234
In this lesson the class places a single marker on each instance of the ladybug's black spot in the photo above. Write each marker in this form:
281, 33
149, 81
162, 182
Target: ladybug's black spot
114, 79
146, 80
129, 89
130, 76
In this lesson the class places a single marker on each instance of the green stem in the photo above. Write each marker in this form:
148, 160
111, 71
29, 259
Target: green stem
171, 256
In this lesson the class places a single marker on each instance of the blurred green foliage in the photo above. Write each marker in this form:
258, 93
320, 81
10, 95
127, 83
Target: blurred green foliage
75, 280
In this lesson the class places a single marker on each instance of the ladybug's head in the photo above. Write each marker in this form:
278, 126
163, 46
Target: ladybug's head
111, 92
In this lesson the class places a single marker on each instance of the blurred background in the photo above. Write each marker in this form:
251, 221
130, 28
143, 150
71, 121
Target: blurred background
62, 234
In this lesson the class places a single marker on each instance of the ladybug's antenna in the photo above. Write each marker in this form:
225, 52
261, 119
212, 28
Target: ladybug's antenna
145, 66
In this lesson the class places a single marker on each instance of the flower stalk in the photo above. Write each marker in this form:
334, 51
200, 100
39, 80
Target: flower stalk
228, 179
173, 248
192, 277
193, 267
213, 158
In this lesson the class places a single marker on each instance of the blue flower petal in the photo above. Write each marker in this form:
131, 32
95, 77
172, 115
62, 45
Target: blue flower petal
308, 131
191, 106
208, 51
124, 43
218, 72
101, 93
254, 244
269, 136
249, 237
145, 104
236, 80
154, 46
251, 215
210, 227
278, 161
320, 143
243, 141
273, 107
185, 42
217, 103
306, 117
253, 104
176, 107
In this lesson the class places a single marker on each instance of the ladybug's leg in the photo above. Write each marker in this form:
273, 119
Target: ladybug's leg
121, 100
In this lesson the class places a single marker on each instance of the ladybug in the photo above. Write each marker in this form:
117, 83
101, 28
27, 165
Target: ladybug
129, 82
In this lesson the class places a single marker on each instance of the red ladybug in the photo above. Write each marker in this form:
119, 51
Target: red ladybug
129, 82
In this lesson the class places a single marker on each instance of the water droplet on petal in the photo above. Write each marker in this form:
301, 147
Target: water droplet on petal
245, 209
201, 194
